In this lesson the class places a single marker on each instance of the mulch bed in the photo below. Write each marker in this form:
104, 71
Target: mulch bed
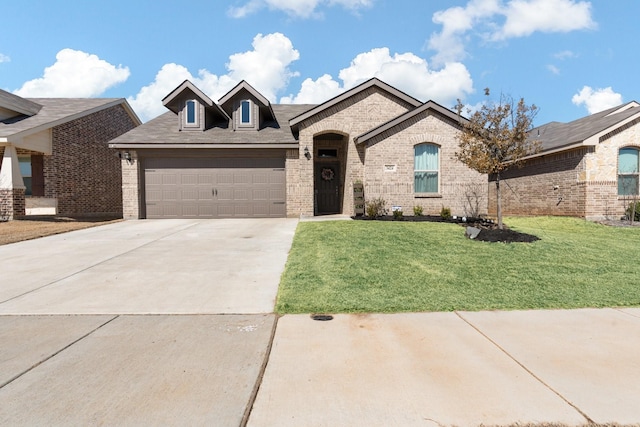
489, 231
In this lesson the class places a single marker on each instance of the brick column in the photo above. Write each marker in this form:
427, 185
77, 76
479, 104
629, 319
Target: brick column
12, 189
12, 204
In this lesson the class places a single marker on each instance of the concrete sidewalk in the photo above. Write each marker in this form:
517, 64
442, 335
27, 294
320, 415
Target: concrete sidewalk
463, 369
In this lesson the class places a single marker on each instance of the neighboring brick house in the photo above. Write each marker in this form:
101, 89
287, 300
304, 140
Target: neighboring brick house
587, 168
55, 155
244, 157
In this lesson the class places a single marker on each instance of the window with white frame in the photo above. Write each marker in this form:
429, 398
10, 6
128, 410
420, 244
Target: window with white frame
191, 117
628, 162
245, 113
426, 168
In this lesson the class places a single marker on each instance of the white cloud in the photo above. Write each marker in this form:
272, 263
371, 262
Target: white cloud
525, 17
4, 58
554, 70
456, 22
295, 8
75, 74
314, 92
265, 67
407, 72
597, 100
565, 54
520, 18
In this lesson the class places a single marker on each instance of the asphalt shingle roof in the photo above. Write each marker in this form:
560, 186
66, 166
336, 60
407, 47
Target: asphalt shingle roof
54, 111
15, 103
556, 135
164, 130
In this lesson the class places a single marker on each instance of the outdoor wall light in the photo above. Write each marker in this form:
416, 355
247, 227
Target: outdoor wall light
307, 154
126, 155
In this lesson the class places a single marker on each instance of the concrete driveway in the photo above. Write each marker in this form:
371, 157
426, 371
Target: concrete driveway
139, 323
143, 267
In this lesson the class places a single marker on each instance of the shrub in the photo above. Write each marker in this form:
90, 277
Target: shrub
376, 207
445, 213
629, 211
417, 210
397, 215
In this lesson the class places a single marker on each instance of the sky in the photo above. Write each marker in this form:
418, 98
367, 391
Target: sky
570, 58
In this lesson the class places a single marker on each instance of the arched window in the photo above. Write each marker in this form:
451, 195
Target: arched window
245, 112
628, 159
426, 168
191, 112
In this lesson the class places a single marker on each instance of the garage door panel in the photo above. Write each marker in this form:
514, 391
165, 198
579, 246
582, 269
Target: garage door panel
224, 194
205, 194
190, 194
206, 178
169, 178
214, 187
240, 194
169, 194
225, 177
260, 194
189, 179
277, 178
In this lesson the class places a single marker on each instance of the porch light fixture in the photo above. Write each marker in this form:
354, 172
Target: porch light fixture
127, 156
307, 154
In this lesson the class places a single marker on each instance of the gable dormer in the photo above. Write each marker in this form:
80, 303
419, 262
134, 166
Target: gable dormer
195, 110
248, 108
12, 106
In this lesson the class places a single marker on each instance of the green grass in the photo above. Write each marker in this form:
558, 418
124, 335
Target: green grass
374, 266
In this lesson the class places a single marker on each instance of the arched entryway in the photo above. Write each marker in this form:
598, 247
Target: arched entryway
329, 170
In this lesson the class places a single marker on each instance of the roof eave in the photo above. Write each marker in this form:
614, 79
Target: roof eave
71, 117
168, 101
123, 145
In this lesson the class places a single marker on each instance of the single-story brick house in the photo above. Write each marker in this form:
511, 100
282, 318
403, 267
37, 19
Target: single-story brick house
55, 155
587, 168
246, 157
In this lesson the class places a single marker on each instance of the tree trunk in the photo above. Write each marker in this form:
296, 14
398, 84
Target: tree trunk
499, 201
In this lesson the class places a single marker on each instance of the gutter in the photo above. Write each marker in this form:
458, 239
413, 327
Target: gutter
173, 146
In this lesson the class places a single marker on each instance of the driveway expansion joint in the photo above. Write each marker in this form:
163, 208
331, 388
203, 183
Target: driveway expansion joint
537, 378
15, 377
263, 368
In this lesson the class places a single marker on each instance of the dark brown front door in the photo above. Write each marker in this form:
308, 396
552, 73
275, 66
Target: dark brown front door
327, 188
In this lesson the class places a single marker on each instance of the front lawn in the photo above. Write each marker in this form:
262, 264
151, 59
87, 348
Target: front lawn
372, 266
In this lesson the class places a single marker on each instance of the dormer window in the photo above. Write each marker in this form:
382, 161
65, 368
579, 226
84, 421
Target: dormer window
245, 113
191, 118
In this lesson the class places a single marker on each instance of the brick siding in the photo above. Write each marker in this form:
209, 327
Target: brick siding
461, 189
352, 117
361, 113
11, 204
582, 182
83, 173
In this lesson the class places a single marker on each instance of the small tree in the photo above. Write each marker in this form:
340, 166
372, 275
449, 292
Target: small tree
496, 138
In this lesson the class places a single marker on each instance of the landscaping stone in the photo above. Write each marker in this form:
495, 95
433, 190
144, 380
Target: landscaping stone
472, 232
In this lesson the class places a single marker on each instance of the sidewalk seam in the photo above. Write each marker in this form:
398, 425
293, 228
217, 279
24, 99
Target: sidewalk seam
263, 368
589, 420
10, 380
93, 265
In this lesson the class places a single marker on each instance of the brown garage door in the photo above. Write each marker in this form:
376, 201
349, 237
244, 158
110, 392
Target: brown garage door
214, 187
